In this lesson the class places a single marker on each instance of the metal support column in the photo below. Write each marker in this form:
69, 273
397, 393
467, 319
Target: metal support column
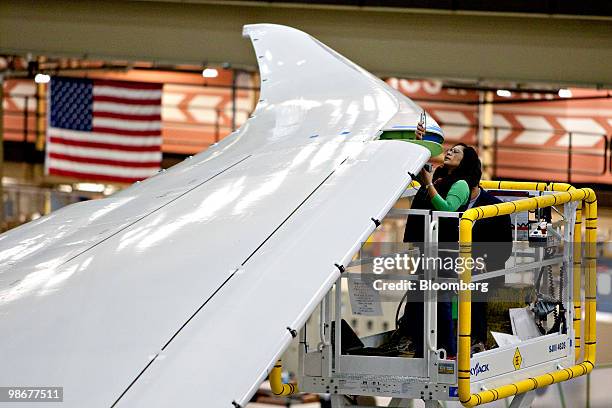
569, 158
233, 99
41, 108
485, 134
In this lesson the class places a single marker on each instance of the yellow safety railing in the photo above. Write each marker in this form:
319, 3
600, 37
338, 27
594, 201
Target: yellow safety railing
276, 382
542, 186
465, 240
539, 186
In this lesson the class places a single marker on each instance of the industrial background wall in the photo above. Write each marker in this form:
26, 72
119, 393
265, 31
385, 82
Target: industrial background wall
429, 43
527, 83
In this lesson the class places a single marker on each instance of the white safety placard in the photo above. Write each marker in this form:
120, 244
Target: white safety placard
365, 300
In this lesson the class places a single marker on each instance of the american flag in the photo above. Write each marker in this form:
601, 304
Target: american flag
103, 130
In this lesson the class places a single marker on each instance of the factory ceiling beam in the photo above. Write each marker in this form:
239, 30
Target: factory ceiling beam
442, 45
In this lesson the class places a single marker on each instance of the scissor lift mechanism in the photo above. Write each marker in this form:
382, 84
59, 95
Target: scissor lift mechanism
545, 360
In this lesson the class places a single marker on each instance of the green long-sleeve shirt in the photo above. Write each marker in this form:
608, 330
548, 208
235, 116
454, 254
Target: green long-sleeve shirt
458, 195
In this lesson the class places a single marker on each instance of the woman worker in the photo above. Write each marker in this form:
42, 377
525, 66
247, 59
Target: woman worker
447, 189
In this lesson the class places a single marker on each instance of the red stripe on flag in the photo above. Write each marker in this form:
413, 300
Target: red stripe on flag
93, 176
116, 163
128, 101
125, 132
110, 146
128, 85
155, 117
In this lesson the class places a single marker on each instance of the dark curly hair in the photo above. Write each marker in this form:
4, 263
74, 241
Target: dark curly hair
469, 169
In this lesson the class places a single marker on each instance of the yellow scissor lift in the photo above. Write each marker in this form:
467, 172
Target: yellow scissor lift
512, 370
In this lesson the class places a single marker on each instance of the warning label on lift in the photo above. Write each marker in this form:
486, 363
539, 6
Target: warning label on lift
446, 368
517, 360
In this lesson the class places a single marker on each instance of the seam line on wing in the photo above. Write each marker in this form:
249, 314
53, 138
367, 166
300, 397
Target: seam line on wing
155, 210
135, 379
172, 338
228, 279
292, 212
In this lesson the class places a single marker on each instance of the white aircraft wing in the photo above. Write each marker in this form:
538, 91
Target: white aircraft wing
179, 291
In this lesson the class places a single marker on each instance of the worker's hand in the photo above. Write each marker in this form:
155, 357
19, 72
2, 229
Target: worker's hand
426, 176
420, 131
